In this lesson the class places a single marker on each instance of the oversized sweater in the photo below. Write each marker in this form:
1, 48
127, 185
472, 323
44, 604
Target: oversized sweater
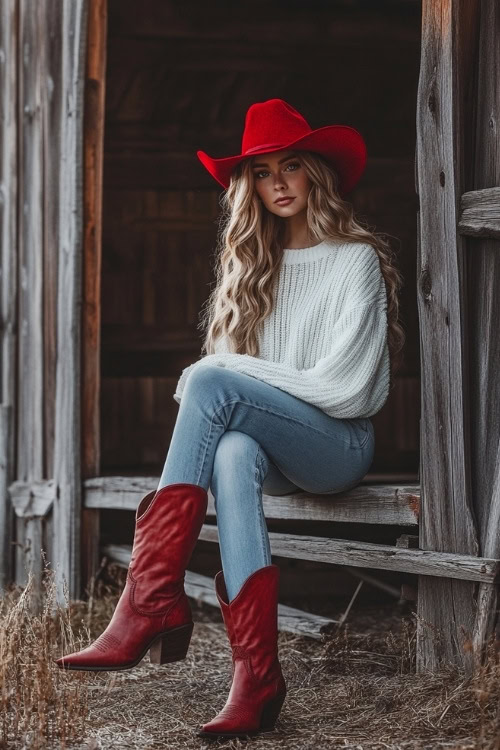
325, 340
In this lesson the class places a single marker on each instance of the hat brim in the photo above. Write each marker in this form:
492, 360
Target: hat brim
340, 144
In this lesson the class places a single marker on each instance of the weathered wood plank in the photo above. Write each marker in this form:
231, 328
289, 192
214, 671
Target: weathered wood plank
382, 556
93, 139
8, 275
34, 498
202, 589
50, 75
67, 438
371, 504
484, 278
378, 504
31, 351
480, 209
447, 523
6, 520
488, 594
31, 233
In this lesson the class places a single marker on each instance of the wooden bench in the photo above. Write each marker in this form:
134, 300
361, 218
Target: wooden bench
387, 504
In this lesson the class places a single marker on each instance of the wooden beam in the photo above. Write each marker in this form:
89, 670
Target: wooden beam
445, 565
33, 358
484, 279
34, 498
480, 214
447, 524
67, 426
93, 139
6, 520
372, 504
9, 250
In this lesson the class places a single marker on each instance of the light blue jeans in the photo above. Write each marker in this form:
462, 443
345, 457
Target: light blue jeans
242, 437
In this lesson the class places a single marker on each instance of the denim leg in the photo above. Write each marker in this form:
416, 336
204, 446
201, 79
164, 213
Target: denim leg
240, 466
315, 452
263, 427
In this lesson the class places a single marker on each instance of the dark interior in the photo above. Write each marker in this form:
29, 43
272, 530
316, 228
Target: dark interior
180, 77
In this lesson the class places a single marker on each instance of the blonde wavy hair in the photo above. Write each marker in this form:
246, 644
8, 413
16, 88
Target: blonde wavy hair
250, 249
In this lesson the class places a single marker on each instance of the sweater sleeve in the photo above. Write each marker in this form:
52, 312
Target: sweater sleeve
351, 381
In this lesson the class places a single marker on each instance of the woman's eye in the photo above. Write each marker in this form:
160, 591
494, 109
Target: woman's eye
264, 171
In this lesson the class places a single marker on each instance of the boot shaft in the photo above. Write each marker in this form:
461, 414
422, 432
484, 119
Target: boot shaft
168, 524
251, 620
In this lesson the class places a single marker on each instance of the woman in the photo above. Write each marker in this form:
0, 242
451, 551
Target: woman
300, 327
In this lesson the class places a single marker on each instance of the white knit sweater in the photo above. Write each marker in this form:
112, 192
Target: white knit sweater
325, 341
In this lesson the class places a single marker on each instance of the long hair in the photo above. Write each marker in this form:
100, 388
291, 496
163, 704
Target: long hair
250, 248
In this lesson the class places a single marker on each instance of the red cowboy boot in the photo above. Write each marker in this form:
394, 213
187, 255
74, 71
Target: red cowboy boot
258, 689
153, 611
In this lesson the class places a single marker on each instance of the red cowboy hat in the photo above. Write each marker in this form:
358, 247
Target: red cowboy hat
274, 125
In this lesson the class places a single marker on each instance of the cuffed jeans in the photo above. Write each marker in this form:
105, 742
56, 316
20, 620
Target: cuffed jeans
242, 437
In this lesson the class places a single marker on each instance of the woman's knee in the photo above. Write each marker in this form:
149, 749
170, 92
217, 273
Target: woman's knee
205, 377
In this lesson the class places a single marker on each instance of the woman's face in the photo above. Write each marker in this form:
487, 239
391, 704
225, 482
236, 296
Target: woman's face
280, 175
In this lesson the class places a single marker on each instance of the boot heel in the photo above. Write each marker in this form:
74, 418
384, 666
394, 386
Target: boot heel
270, 713
171, 646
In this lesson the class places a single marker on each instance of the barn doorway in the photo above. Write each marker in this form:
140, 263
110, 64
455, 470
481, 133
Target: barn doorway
181, 78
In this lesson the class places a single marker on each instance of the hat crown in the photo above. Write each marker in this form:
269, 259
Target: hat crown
272, 124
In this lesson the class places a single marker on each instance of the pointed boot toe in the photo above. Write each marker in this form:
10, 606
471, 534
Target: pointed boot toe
258, 688
153, 612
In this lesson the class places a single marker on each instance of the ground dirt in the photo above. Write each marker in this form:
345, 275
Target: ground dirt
356, 689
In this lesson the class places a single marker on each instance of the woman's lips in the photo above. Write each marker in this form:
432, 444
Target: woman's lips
284, 201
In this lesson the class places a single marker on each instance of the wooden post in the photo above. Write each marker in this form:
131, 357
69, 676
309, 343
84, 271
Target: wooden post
91, 307
67, 424
446, 608
5, 505
8, 275
31, 353
32, 501
484, 275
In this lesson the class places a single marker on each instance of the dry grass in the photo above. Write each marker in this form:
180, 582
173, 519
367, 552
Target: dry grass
357, 689
39, 707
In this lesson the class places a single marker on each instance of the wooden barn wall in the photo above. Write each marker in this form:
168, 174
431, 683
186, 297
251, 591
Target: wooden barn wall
482, 263
181, 77
458, 171
42, 54
8, 287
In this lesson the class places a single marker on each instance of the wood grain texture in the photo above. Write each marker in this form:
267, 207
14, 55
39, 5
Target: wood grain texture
51, 112
446, 565
32, 356
443, 159
67, 422
43, 48
9, 249
480, 209
376, 504
6, 516
93, 140
31, 499
484, 314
